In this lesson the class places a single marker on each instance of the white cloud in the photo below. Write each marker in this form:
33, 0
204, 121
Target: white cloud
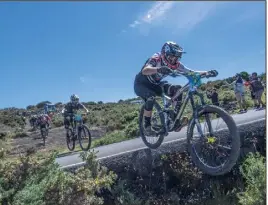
83, 79
177, 16
133, 25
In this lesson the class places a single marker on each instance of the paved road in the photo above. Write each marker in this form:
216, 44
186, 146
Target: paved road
134, 144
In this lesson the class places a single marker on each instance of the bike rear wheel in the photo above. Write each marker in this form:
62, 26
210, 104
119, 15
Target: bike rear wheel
70, 139
212, 142
83, 130
160, 135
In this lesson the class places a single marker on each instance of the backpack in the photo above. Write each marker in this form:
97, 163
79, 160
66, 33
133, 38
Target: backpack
256, 85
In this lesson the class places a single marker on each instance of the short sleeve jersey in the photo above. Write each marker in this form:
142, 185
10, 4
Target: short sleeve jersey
156, 61
70, 107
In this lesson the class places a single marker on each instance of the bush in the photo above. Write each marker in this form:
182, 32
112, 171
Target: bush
132, 129
227, 96
113, 137
41, 181
254, 171
57, 121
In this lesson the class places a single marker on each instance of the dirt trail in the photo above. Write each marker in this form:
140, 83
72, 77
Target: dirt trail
56, 139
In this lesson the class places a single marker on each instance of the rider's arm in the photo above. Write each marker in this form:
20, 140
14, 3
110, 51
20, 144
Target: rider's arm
151, 66
183, 68
49, 119
148, 70
83, 107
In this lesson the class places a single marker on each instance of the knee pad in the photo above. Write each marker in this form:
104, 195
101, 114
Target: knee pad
149, 103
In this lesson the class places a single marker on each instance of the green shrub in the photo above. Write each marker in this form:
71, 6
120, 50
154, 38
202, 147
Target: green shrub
254, 171
132, 129
35, 182
57, 121
113, 137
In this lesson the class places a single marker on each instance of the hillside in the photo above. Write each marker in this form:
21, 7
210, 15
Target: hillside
35, 178
108, 122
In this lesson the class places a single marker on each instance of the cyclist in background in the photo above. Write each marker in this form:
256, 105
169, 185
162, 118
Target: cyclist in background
43, 121
69, 108
33, 121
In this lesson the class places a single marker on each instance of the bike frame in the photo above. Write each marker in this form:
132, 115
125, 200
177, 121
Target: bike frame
190, 90
77, 121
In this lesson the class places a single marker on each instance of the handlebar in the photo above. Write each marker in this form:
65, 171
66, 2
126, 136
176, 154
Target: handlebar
194, 77
175, 73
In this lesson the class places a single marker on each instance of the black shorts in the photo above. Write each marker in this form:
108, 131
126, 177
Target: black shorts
145, 89
68, 119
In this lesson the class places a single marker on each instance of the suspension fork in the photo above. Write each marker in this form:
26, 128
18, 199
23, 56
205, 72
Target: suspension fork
195, 115
166, 105
200, 95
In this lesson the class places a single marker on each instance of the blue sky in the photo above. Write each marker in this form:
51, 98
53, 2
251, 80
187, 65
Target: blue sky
49, 50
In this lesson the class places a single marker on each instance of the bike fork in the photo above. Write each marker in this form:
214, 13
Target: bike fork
165, 115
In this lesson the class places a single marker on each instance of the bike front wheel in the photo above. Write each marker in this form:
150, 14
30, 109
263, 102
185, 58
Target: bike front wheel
70, 139
84, 137
225, 156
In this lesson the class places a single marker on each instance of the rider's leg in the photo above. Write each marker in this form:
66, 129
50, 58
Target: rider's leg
147, 92
243, 101
171, 90
66, 122
258, 96
239, 99
149, 103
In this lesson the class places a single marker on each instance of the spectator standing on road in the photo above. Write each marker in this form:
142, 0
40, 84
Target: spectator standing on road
240, 92
213, 95
257, 88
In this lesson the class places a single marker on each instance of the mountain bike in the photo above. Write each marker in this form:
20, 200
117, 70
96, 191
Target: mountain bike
77, 129
170, 120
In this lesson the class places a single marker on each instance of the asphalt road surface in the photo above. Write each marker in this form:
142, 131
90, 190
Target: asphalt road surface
137, 143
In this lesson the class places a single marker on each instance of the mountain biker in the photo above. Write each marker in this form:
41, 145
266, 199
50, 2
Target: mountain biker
70, 107
157, 67
43, 120
33, 120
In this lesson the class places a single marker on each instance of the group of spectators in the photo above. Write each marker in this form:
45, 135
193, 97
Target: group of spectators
256, 87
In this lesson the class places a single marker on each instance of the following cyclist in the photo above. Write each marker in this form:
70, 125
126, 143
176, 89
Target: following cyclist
43, 120
147, 81
33, 120
69, 108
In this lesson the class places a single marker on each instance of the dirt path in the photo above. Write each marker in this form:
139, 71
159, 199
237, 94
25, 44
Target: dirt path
55, 140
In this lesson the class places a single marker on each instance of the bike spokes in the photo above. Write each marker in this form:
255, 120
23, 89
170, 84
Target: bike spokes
213, 144
70, 139
153, 135
84, 137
